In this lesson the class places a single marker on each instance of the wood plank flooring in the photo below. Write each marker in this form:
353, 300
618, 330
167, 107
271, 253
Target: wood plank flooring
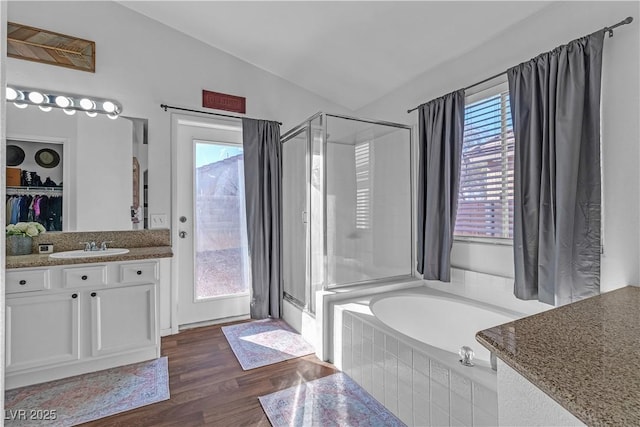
209, 388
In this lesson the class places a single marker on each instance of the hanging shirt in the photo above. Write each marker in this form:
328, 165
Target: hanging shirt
36, 208
25, 202
9, 210
15, 210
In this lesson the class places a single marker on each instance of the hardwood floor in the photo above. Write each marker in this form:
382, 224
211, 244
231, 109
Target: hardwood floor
208, 386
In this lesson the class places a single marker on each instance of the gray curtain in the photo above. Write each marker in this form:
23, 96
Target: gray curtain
555, 107
441, 127
263, 194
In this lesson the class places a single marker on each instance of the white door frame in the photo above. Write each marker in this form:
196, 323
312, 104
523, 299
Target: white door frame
178, 119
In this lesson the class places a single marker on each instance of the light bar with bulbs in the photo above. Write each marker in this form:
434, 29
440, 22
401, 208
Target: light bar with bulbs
70, 104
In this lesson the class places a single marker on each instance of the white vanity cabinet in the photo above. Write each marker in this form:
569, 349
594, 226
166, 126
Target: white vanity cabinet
72, 319
42, 330
123, 319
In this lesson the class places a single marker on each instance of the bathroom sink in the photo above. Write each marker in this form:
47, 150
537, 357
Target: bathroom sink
89, 254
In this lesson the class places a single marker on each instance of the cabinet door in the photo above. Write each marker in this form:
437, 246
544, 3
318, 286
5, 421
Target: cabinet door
41, 330
123, 319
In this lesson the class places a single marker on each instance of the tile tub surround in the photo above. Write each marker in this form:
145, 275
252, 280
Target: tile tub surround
142, 244
583, 355
418, 383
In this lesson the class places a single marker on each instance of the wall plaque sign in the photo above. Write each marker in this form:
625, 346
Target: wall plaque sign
223, 101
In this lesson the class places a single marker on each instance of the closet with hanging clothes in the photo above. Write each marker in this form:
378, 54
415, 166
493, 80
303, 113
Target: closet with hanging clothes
34, 183
43, 205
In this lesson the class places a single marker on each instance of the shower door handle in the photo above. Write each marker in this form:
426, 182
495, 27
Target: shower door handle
304, 217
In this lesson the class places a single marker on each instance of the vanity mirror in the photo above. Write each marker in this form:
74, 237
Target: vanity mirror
96, 165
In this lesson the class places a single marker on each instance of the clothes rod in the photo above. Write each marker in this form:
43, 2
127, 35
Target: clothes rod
165, 106
17, 191
625, 21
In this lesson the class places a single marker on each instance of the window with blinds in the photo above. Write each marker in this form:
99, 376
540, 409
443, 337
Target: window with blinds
485, 198
363, 185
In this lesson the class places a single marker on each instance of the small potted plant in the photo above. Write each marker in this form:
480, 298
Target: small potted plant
20, 237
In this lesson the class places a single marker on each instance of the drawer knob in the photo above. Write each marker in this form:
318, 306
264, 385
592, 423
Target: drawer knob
74, 296
23, 282
84, 277
139, 272
93, 294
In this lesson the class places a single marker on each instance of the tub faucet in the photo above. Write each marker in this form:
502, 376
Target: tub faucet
466, 353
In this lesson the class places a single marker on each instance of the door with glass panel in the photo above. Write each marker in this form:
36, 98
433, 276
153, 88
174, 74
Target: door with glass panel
212, 252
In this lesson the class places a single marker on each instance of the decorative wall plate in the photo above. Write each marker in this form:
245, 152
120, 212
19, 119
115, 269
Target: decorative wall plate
47, 158
15, 155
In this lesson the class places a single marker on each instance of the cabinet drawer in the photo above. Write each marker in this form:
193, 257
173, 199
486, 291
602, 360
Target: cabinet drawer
136, 273
27, 281
84, 276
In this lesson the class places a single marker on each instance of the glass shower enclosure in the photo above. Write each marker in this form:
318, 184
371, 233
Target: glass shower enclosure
347, 205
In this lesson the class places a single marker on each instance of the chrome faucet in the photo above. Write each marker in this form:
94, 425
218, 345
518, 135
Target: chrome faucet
92, 246
466, 353
89, 246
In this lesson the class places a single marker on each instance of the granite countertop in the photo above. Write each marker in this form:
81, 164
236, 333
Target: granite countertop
37, 260
585, 355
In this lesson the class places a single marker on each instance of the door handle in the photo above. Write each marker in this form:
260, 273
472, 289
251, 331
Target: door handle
182, 234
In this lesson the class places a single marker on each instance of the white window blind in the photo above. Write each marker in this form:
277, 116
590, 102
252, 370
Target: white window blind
363, 185
485, 198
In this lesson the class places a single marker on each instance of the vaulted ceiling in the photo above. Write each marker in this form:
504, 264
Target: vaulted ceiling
349, 52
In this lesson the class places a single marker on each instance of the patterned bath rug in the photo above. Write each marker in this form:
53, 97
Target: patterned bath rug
263, 342
88, 397
334, 400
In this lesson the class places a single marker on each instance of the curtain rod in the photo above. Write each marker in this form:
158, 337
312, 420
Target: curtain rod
627, 20
165, 106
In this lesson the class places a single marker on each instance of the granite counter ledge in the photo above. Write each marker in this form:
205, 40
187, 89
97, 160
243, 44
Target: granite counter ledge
584, 355
37, 260
72, 240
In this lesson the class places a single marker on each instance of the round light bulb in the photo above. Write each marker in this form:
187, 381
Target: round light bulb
113, 116
45, 108
20, 104
11, 94
69, 111
36, 97
62, 101
109, 106
87, 104
91, 113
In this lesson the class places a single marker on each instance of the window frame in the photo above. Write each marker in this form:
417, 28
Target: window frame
486, 90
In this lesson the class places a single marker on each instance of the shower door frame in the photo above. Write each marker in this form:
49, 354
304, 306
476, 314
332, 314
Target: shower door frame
306, 305
306, 126
411, 275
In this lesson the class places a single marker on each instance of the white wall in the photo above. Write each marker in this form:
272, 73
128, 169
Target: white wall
556, 24
143, 64
3, 177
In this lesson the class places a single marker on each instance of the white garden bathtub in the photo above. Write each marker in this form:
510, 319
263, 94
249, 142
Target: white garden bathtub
437, 319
